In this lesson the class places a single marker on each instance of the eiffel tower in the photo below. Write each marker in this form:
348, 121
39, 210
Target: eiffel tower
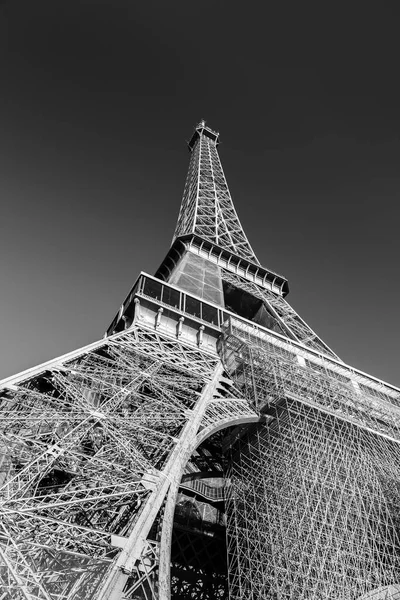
211, 445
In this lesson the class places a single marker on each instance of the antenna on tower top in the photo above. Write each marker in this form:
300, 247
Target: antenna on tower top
203, 129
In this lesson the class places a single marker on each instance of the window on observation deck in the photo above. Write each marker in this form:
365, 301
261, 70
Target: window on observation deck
170, 296
209, 314
152, 289
193, 307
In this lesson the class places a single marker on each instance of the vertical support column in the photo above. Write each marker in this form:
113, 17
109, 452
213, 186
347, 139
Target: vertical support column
158, 317
200, 335
179, 327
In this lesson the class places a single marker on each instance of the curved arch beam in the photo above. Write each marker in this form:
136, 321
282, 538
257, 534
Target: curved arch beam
223, 424
164, 574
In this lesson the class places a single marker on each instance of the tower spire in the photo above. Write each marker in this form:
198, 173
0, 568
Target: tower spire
207, 208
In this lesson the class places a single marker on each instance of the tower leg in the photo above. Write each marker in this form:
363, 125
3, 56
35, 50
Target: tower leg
168, 479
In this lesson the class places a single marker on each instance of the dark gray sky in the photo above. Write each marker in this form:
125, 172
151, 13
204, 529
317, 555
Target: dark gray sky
96, 101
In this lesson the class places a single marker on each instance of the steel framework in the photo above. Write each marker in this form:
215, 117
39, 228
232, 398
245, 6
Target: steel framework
314, 494
207, 208
210, 446
90, 446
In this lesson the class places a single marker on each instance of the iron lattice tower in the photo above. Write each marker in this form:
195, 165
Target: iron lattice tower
210, 446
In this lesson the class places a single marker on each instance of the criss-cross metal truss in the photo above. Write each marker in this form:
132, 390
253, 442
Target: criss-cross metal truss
90, 447
207, 208
198, 452
313, 502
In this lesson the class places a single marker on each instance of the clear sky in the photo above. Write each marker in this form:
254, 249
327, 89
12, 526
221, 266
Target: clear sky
96, 101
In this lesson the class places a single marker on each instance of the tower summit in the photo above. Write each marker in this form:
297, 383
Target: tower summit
211, 445
207, 208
